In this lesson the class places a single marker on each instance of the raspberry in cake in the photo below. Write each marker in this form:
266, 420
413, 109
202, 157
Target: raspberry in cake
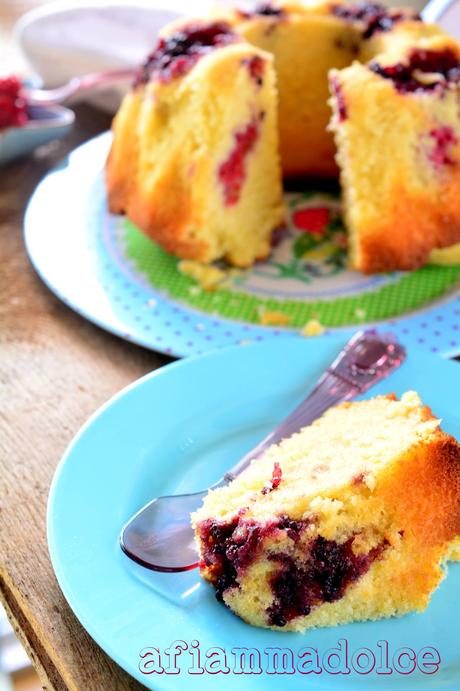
372, 17
256, 67
232, 171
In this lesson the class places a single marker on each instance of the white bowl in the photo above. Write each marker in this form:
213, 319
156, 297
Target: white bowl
65, 39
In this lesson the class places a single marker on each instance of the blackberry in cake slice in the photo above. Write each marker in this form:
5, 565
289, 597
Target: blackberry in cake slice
350, 519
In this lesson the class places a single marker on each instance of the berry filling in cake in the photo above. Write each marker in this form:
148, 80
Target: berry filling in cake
359, 526
329, 568
373, 16
13, 107
256, 67
263, 9
230, 547
277, 476
232, 171
319, 572
425, 70
176, 54
339, 95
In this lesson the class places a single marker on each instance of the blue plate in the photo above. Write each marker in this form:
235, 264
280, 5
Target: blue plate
176, 430
45, 124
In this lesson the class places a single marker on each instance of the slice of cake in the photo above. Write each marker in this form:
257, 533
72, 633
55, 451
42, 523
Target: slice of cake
397, 129
350, 519
195, 160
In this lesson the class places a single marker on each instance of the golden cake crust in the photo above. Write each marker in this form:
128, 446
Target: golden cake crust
413, 226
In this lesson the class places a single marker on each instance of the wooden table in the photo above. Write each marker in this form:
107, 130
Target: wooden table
55, 370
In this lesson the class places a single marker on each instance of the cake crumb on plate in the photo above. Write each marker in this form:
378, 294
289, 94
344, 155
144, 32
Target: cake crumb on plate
313, 327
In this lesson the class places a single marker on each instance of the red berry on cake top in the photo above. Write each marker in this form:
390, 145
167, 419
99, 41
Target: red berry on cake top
179, 52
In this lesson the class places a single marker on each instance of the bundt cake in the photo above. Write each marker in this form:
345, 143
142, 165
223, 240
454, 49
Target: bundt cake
350, 519
195, 155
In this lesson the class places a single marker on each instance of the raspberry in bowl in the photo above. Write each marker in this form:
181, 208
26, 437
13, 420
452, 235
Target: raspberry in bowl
24, 127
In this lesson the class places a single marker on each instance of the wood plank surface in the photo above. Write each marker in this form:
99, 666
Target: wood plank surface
55, 370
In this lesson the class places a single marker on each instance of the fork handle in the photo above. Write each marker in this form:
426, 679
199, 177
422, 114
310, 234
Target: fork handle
74, 85
366, 358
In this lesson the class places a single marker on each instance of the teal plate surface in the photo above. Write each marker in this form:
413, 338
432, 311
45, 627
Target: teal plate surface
177, 430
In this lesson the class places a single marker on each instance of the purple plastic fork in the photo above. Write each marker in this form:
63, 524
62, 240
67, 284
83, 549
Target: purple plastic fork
160, 536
